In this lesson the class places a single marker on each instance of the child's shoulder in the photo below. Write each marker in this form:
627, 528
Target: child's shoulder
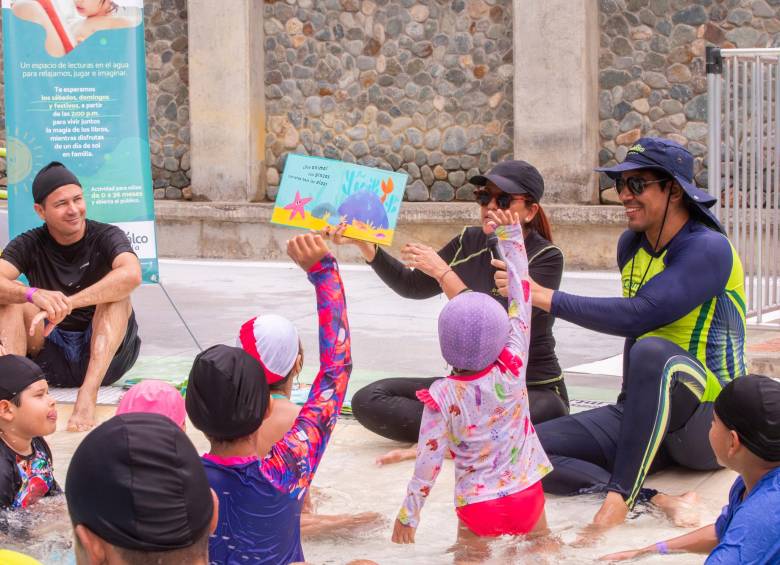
7, 462
442, 386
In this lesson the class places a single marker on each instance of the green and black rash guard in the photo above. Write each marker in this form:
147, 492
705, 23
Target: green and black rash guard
690, 293
468, 255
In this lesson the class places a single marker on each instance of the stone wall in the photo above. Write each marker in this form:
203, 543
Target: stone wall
167, 86
165, 24
426, 86
422, 86
652, 77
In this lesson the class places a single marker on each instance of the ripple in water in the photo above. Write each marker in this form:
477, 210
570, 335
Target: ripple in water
42, 531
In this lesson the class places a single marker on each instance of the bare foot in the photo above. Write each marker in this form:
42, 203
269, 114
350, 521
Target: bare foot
83, 417
546, 544
612, 513
589, 536
682, 511
397, 455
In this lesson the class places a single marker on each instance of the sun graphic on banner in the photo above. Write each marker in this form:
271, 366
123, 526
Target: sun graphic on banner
22, 153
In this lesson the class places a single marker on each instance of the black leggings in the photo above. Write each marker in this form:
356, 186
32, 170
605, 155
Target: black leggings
390, 408
659, 420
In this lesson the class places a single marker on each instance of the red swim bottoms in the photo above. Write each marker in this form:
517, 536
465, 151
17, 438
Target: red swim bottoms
511, 515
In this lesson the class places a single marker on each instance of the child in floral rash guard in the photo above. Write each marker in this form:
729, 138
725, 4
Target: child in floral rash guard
480, 412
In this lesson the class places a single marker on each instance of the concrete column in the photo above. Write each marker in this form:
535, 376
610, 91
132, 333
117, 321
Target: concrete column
227, 99
556, 49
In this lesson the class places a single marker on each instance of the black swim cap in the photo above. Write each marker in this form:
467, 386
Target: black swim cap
16, 374
50, 178
138, 483
750, 406
227, 394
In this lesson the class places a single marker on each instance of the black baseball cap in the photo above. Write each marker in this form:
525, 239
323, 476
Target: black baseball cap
50, 178
750, 406
137, 482
676, 161
514, 177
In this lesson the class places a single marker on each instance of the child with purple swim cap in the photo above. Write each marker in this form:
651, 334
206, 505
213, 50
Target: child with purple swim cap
480, 412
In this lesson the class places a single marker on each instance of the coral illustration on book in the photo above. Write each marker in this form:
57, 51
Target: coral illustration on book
317, 192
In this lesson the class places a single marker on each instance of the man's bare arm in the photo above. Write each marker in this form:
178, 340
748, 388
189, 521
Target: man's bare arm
124, 277
11, 291
53, 304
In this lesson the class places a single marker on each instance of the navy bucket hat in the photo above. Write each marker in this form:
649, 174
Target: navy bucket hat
675, 160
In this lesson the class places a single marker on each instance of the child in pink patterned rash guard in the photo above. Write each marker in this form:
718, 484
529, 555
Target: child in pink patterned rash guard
480, 412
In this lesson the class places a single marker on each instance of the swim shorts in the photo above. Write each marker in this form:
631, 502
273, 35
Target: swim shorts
65, 356
512, 515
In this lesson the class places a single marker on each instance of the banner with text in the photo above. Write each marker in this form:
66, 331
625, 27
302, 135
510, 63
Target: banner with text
75, 92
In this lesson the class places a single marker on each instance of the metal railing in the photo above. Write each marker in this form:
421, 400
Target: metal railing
743, 90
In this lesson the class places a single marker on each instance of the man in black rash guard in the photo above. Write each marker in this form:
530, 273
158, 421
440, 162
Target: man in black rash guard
389, 407
683, 316
75, 319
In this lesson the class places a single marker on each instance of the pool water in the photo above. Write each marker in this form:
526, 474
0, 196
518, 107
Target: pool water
382, 326
348, 481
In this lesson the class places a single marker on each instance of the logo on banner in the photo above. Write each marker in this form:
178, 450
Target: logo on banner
141, 236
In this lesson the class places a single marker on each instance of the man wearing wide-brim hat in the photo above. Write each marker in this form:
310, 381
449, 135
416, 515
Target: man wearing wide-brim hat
683, 316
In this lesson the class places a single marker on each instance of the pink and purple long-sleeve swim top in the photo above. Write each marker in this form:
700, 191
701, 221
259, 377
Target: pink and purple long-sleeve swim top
483, 419
260, 501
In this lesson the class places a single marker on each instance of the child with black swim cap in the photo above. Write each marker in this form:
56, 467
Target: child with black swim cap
27, 413
228, 399
137, 493
745, 436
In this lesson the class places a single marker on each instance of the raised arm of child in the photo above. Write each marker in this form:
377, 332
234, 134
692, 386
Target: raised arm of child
293, 460
430, 454
512, 248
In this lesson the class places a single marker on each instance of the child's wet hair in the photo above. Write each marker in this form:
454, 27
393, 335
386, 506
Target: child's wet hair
226, 442
280, 385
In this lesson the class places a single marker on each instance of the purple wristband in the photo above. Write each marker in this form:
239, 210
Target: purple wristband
30, 291
662, 547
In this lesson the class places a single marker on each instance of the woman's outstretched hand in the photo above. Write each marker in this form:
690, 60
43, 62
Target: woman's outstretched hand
424, 258
336, 235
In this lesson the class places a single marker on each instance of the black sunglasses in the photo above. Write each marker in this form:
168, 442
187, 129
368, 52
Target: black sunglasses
503, 200
635, 184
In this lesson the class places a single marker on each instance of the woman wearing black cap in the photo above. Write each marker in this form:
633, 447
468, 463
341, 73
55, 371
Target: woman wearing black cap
389, 407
